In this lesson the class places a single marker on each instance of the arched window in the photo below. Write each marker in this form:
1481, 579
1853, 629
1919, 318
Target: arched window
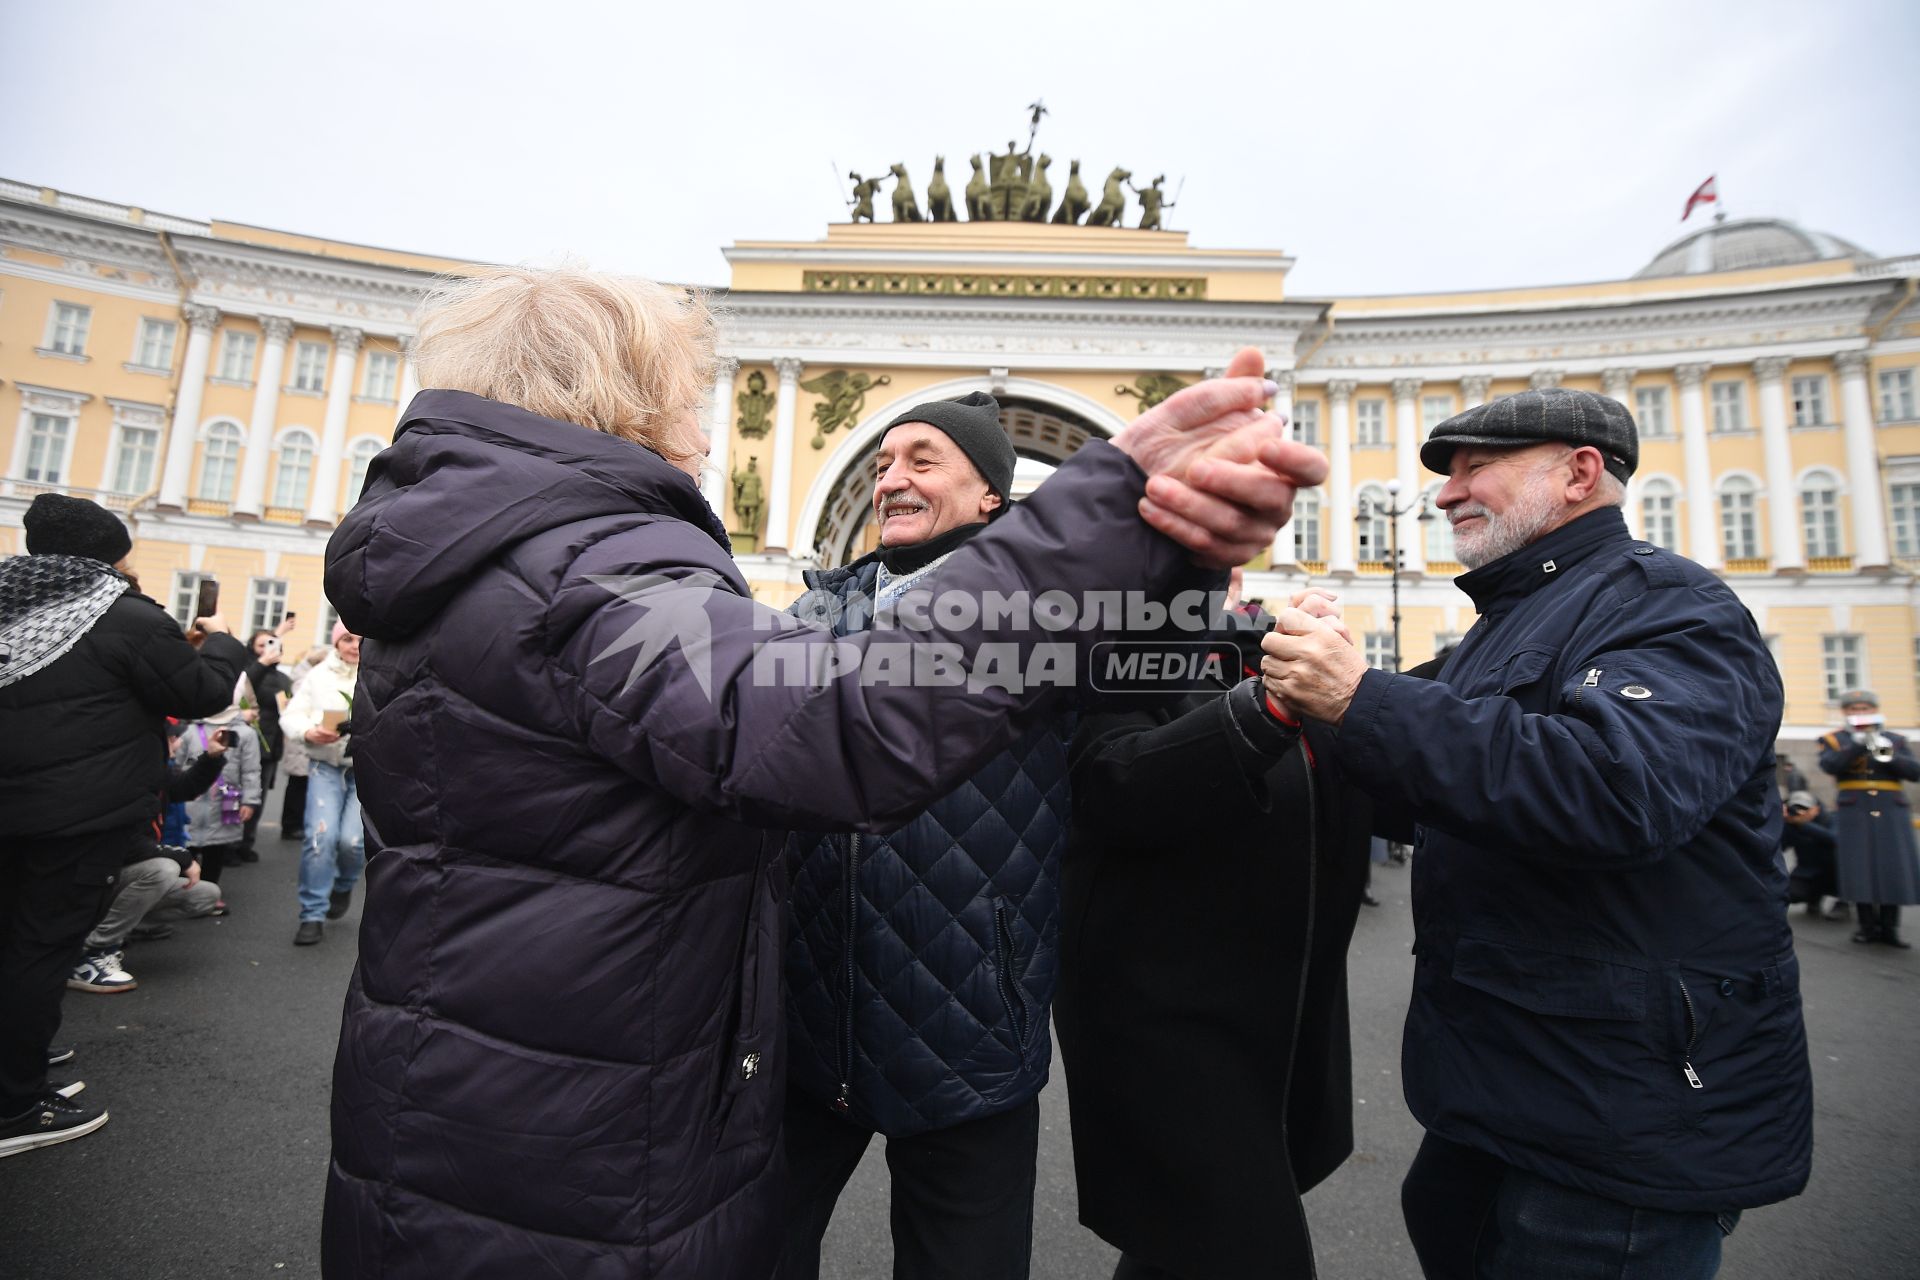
220, 463
1306, 526
1739, 519
364, 452
1820, 514
1370, 527
1439, 531
295, 474
1657, 519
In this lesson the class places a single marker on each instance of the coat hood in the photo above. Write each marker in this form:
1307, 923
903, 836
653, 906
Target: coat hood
468, 478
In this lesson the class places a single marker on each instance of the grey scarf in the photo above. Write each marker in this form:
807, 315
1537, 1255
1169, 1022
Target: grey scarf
46, 604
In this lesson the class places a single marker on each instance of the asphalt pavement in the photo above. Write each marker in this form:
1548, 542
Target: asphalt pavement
216, 1072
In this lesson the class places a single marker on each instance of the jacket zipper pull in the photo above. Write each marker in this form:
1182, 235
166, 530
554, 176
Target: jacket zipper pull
1693, 1077
841, 1103
1593, 679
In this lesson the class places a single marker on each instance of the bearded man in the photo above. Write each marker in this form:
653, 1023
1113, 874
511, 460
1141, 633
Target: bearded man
1605, 1040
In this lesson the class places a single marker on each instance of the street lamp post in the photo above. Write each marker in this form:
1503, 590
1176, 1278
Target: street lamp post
1392, 515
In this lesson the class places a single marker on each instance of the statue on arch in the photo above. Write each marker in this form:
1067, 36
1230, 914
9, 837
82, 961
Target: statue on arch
756, 403
1010, 175
864, 190
939, 195
1113, 201
1039, 192
1073, 205
1152, 200
979, 194
1151, 388
906, 206
842, 396
749, 498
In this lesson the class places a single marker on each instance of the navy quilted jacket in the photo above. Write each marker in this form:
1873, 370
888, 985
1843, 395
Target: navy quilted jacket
921, 964
562, 1052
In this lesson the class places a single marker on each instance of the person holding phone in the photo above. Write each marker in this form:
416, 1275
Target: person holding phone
89, 670
264, 690
217, 818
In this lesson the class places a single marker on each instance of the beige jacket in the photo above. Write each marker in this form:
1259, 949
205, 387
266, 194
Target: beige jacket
328, 687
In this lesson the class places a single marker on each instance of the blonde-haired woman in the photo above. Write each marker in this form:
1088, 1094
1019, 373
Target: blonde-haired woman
578, 740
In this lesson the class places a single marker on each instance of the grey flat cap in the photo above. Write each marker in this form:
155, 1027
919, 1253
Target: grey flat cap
1851, 696
1534, 417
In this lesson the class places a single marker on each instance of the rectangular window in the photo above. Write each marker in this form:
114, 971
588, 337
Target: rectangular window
1840, 656
1810, 401
186, 594
156, 344
1306, 526
383, 375
267, 604
1650, 407
47, 439
70, 324
1739, 525
310, 366
1379, 649
1820, 516
1434, 410
1369, 421
1657, 519
236, 355
1306, 422
1905, 507
1896, 395
139, 447
1729, 406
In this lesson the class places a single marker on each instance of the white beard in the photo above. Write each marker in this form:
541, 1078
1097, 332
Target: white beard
1533, 513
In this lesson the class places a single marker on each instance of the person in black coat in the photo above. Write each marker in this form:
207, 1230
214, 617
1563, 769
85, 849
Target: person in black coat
1809, 833
1212, 879
89, 668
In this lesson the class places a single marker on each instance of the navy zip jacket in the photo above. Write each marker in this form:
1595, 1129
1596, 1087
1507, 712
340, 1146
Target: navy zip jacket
1605, 991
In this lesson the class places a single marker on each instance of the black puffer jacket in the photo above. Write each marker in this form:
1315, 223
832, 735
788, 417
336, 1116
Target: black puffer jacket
83, 744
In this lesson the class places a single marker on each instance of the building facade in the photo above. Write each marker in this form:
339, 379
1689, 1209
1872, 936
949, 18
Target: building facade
225, 387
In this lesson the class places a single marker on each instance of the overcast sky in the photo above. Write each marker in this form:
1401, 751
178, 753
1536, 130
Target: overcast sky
1389, 148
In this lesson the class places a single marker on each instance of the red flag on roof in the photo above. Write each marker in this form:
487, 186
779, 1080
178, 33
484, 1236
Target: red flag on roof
1705, 194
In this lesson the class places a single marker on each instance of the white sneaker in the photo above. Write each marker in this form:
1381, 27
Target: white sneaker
101, 972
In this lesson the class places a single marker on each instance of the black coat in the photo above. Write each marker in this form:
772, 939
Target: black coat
1210, 889
83, 744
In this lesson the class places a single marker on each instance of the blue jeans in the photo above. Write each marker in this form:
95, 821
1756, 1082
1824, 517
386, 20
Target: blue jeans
334, 851
1474, 1217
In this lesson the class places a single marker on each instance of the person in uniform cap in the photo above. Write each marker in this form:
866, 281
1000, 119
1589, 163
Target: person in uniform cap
1605, 1041
1878, 870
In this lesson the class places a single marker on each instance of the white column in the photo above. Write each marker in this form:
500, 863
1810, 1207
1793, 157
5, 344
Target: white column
1703, 510
1617, 384
1863, 463
325, 505
1783, 499
178, 472
1283, 557
409, 377
266, 410
719, 471
788, 367
1340, 475
1406, 453
1473, 390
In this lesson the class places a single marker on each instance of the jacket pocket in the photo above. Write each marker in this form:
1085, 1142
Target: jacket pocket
747, 1061
1012, 994
1553, 983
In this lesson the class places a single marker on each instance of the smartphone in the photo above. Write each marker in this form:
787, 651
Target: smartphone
273, 644
228, 737
209, 602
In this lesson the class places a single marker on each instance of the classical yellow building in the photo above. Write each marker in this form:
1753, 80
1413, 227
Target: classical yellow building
225, 387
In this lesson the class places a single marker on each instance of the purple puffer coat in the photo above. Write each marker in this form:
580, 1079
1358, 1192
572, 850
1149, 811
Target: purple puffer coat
561, 1054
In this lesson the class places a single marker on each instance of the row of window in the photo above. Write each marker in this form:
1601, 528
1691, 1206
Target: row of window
137, 450
1810, 402
1821, 528
67, 335
266, 603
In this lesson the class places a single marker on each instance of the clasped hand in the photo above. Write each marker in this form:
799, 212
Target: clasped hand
1311, 668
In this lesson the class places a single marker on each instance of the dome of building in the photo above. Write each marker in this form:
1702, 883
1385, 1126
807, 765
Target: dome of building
1742, 244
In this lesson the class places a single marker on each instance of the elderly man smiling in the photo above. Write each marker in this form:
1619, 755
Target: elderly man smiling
1605, 1040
